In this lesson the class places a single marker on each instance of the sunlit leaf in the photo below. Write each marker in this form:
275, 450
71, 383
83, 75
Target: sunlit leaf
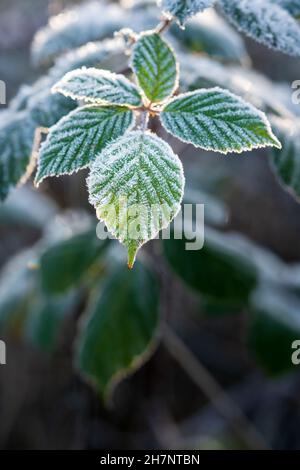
98, 86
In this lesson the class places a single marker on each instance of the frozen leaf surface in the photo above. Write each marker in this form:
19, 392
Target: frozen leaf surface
292, 6
266, 22
155, 67
73, 143
183, 9
136, 185
215, 119
98, 86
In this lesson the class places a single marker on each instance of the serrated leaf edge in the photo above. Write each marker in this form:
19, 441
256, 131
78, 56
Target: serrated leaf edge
58, 87
38, 181
263, 116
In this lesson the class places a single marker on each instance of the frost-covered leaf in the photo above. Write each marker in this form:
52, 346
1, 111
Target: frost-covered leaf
64, 264
286, 162
136, 185
209, 33
265, 22
155, 67
88, 22
16, 142
74, 142
120, 328
183, 9
217, 120
98, 86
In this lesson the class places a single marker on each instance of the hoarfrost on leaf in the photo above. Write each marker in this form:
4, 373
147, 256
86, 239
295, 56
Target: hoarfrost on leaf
266, 22
183, 9
215, 119
155, 67
76, 139
136, 185
98, 86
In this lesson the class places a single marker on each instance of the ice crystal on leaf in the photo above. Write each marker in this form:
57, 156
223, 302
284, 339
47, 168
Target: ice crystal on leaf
136, 185
76, 139
266, 22
98, 86
155, 67
183, 9
215, 119
292, 6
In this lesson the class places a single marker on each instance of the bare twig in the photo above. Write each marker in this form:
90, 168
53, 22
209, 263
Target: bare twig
214, 392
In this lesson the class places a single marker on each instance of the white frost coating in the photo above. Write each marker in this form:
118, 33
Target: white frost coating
155, 66
16, 141
286, 163
217, 120
265, 22
139, 170
88, 22
183, 9
292, 6
98, 86
75, 140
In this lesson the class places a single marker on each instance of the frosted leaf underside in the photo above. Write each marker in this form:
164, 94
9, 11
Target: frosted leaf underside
136, 185
183, 9
286, 162
98, 86
266, 22
215, 119
76, 139
155, 67
16, 142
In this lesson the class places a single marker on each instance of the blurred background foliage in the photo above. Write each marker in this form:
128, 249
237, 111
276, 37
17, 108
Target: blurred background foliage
205, 334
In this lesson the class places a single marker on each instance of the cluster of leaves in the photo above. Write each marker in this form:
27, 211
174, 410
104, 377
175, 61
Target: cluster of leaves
97, 118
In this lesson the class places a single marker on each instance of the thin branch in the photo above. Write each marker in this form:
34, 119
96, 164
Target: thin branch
164, 25
213, 391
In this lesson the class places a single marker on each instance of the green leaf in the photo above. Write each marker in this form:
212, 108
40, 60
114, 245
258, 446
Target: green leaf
120, 329
286, 162
99, 87
219, 271
74, 142
44, 323
217, 120
155, 67
266, 22
16, 142
274, 325
136, 185
64, 264
209, 33
183, 9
